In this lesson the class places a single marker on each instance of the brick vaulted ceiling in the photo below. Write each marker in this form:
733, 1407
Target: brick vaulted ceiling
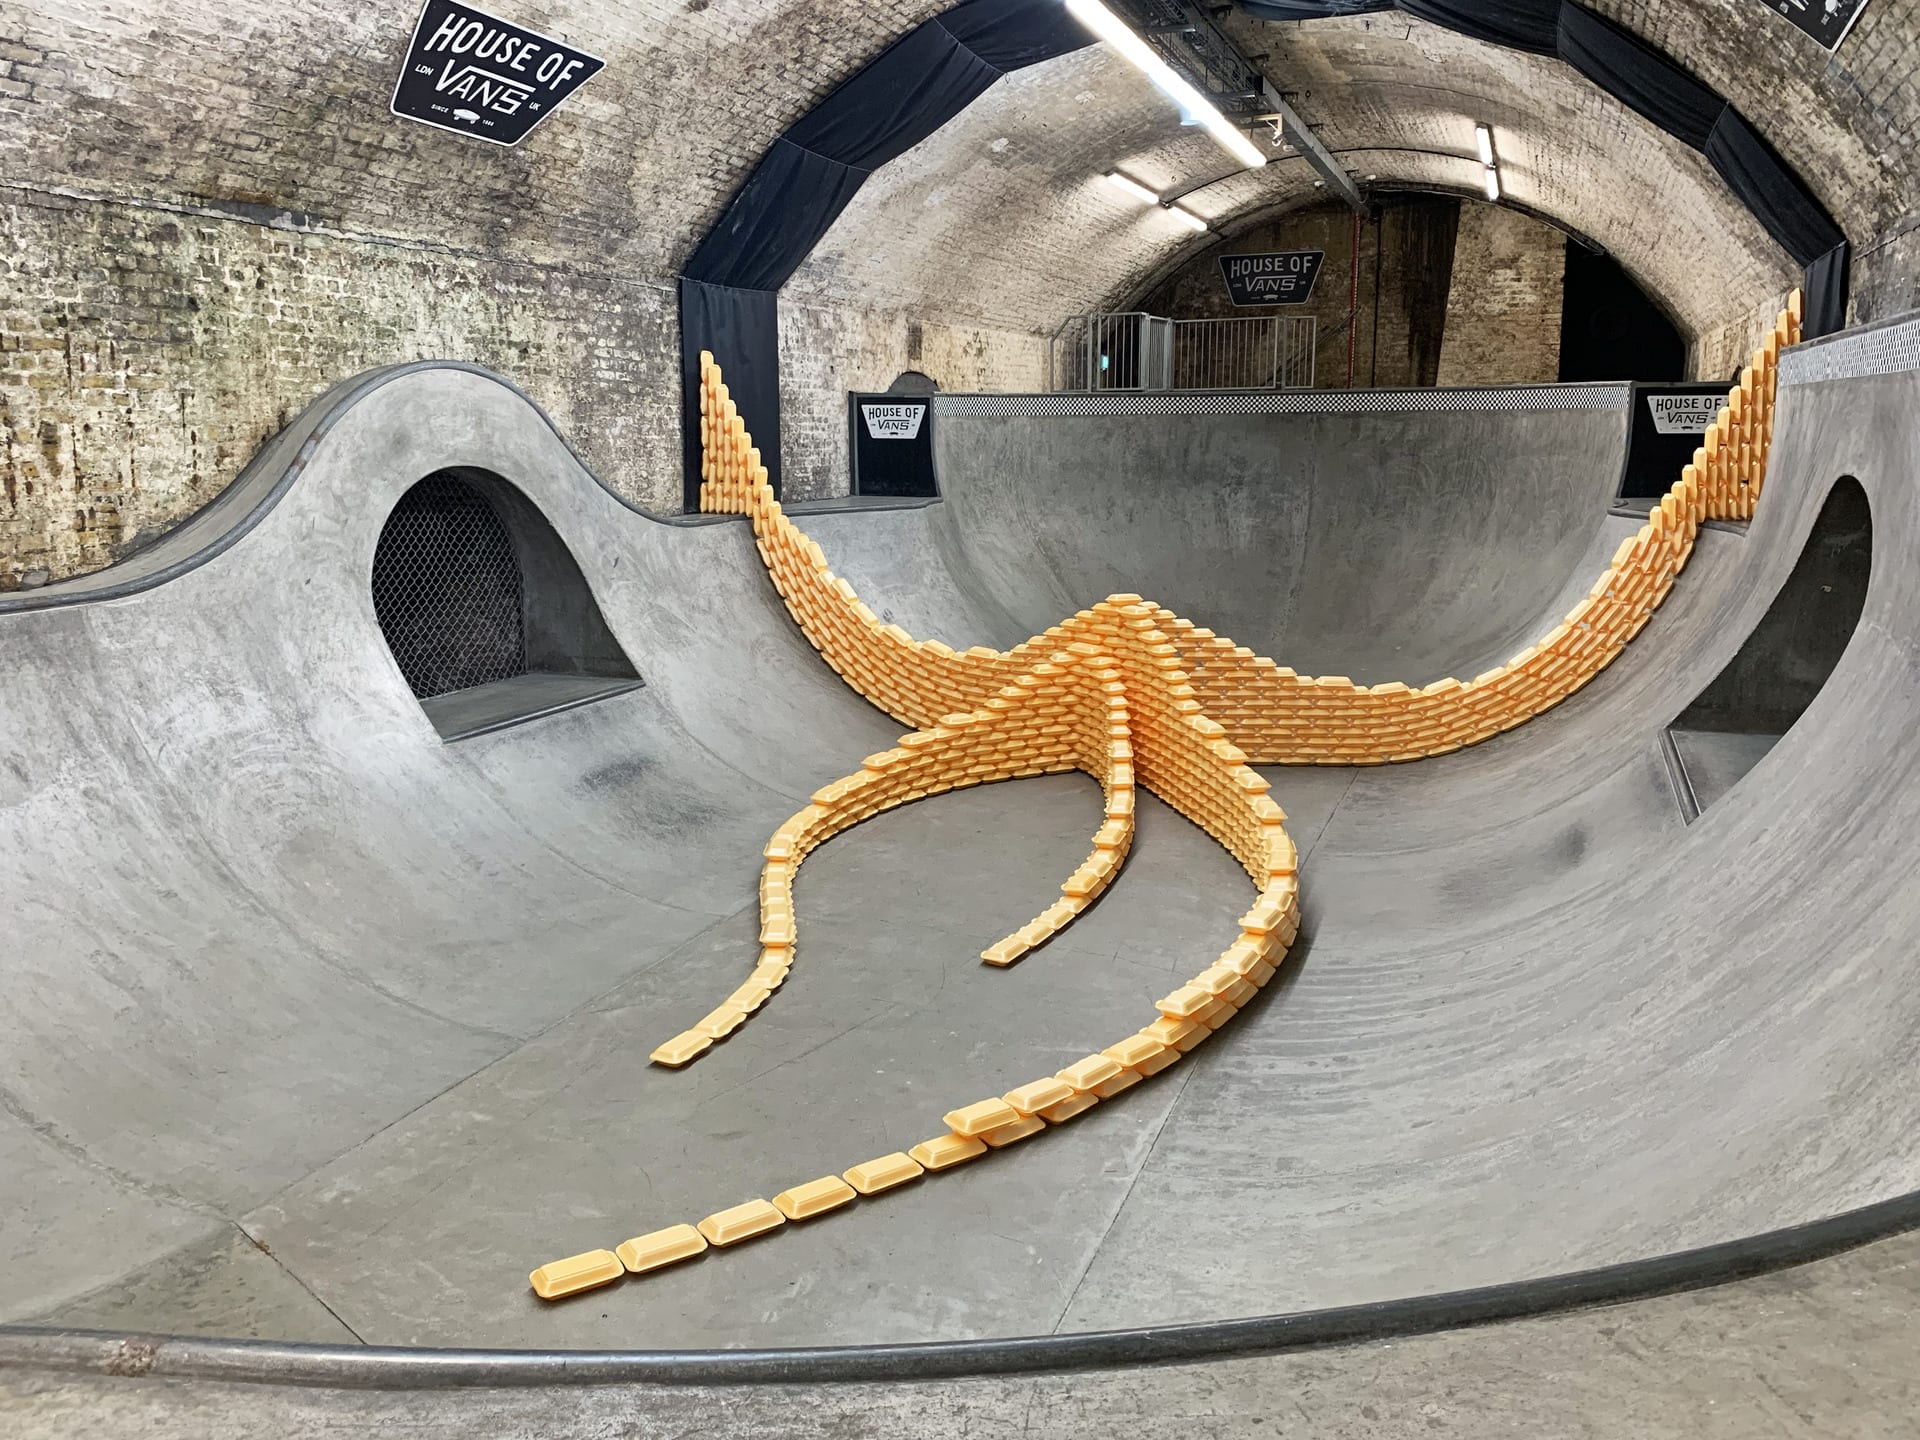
1395, 98
284, 106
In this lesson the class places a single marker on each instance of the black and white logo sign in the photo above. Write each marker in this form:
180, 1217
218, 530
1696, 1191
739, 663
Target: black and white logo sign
894, 422
1283, 277
1684, 414
473, 74
1827, 21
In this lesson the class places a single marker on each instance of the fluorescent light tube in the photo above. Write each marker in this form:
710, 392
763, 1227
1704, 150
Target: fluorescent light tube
1117, 33
1133, 187
1186, 217
1493, 183
1485, 138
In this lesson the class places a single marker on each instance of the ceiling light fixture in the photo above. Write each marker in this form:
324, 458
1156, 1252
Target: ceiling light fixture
1133, 187
1186, 217
1490, 175
1117, 33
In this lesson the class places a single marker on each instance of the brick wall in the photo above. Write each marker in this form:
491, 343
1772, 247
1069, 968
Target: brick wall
827, 350
1405, 254
210, 215
1503, 310
146, 356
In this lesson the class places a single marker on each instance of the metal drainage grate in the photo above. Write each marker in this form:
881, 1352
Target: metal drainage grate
448, 590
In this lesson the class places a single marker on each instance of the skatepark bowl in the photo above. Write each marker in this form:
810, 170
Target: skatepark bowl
382, 1001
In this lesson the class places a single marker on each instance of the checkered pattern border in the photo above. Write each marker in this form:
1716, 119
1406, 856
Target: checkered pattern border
1284, 402
1881, 350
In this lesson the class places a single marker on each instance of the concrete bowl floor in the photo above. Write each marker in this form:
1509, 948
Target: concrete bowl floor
325, 1029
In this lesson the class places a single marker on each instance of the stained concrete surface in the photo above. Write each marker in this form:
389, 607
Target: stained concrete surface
285, 962
1717, 760
1814, 1353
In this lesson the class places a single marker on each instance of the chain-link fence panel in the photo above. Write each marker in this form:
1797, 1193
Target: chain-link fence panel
448, 589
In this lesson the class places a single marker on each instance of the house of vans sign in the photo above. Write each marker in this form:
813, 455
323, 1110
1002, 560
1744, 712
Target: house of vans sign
471, 73
1827, 21
1283, 277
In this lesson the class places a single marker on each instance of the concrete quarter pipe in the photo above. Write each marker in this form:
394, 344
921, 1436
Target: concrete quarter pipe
382, 1005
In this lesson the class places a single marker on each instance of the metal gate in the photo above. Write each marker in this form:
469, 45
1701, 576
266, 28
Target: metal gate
1254, 352
1131, 350
1123, 350
448, 590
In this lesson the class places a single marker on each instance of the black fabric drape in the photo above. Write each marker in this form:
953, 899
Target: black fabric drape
1531, 25
1013, 34
1286, 10
742, 329
913, 88
789, 201
1769, 189
1638, 76
1826, 294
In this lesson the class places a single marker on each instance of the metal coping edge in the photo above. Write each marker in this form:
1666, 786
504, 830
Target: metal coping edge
1117, 404
128, 1354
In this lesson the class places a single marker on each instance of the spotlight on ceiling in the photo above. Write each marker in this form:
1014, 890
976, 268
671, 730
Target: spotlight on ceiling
1493, 182
1485, 137
1117, 33
1133, 187
1186, 217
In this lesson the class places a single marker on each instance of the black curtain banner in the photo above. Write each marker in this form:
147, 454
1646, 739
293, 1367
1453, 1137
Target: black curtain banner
1530, 25
1771, 191
1826, 307
915, 86
1638, 76
1013, 34
742, 329
789, 201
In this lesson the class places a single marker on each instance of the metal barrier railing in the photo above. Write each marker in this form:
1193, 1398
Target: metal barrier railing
1121, 350
1265, 352
1131, 350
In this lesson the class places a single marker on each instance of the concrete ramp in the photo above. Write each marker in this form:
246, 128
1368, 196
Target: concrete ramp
321, 1028
1396, 542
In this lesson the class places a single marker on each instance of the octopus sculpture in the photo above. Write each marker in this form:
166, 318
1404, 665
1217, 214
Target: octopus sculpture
1134, 696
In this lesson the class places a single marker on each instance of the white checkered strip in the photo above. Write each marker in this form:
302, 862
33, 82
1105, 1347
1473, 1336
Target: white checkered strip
1883, 350
1284, 402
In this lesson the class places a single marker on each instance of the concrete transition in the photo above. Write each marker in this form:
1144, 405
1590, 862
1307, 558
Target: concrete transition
322, 1028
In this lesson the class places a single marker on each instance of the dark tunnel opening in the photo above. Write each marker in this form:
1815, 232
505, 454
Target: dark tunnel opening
1782, 665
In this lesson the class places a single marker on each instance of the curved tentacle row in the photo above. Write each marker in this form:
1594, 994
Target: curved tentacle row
1133, 695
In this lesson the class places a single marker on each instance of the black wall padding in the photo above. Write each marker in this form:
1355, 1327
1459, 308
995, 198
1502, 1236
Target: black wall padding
1638, 76
1287, 10
1013, 34
1531, 25
1771, 191
1826, 294
1644, 80
730, 285
742, 329
915, 86
789, 201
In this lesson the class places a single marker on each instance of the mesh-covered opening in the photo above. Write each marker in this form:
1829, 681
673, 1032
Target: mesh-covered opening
448, 589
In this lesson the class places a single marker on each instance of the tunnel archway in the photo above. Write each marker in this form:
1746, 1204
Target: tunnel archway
1784, 663
485, 610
